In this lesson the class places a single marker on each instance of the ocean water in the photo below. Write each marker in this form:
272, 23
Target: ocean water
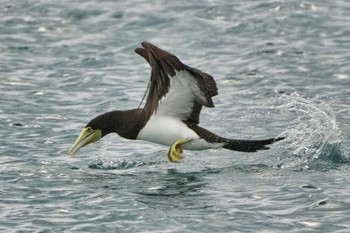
282, 69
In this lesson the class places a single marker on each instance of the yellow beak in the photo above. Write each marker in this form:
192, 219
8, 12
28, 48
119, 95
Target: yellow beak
86, 137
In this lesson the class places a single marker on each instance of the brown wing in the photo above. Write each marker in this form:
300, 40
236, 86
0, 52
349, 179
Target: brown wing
164, 67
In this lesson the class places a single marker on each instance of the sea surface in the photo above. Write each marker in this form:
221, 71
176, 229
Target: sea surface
282, 69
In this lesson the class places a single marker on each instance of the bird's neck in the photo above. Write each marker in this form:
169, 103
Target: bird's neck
126, 124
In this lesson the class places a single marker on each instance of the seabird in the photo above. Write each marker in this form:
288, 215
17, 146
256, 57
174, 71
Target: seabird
170, 116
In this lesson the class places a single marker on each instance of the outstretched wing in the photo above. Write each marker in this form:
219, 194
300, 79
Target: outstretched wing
175, 89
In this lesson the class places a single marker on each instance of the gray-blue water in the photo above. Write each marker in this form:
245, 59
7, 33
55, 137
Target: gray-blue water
282, 68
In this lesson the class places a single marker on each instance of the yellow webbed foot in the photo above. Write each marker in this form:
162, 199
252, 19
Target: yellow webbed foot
175, 151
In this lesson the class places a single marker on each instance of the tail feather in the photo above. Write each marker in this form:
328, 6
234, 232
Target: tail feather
250, 145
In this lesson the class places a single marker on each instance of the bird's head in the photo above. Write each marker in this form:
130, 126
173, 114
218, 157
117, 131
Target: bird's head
93, 131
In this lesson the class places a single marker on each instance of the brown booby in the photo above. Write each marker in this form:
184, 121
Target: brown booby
170, 116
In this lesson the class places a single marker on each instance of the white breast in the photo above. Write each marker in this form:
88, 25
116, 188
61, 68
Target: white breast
165, 130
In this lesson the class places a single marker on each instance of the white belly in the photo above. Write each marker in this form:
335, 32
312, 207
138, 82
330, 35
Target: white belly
167, 130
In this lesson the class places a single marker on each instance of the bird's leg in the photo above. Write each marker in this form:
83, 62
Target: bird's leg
175, 151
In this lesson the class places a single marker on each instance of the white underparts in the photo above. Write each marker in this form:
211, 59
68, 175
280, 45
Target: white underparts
167, 130
179, 100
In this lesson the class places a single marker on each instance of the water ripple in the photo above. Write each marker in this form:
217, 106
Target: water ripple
282, 68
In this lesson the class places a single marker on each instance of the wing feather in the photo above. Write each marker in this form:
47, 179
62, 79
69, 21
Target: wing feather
175, 89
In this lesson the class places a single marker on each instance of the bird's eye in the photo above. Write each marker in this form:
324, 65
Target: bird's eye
89, 130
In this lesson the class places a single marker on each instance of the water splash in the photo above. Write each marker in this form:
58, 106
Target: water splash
313, 136
104, 160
